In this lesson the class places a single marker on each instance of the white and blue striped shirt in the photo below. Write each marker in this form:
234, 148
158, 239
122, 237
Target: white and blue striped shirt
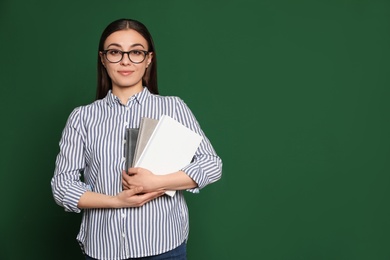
92, 145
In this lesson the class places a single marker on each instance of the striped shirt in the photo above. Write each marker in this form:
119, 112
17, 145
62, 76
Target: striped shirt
92, 146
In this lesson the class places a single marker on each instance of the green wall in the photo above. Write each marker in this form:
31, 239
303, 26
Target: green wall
294, 96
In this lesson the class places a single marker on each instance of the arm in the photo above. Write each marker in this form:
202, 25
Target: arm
73, 194
65, 184
140, 177
124, 199
206, 166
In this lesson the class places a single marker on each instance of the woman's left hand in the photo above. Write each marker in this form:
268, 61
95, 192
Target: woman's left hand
140, 177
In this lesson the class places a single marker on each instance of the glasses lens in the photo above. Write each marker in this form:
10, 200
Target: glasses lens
137, 56
114, 55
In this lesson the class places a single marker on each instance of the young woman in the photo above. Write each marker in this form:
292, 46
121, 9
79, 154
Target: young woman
127, 216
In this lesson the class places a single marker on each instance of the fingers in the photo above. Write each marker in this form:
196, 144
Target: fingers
146, 197
128, 187
133, 191
135, 199
125, 184
131, 171
125, 174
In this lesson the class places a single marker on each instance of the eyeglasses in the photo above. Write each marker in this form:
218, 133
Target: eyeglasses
115, 56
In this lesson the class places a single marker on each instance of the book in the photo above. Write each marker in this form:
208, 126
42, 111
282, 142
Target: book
170, 147
146, 129
131, 136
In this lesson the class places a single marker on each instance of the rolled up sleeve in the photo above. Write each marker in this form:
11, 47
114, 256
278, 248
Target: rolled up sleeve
206, 166
66, 185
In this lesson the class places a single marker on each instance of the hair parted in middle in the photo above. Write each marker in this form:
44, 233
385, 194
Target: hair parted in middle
149, 79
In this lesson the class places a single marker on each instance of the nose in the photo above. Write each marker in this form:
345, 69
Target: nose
125, 59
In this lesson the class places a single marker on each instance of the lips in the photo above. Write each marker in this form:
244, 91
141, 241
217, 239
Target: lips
125, 72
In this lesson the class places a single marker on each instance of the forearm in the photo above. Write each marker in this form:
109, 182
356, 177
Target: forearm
96, 200
134, 197
176, 181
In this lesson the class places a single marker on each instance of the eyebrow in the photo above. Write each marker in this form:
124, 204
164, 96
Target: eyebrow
133, 45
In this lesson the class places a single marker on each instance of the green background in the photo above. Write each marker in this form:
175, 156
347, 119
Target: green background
294, 96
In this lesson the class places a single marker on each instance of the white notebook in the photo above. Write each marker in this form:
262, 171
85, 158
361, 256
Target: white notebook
170, 148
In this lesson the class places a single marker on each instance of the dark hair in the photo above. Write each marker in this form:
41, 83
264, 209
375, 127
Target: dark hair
149, 79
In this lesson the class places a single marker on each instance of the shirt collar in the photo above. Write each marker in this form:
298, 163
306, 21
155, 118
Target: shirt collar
140, 97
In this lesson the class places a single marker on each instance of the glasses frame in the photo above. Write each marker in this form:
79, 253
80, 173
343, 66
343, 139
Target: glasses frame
123, 53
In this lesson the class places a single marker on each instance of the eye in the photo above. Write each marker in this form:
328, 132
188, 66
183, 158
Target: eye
137, 52
114, 52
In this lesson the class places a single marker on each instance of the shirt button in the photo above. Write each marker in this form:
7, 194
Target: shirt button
123, 215
123, 235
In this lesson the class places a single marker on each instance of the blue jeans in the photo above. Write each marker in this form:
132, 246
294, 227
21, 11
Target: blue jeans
179, 253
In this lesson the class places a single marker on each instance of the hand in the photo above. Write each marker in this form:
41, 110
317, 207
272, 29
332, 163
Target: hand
140, 177
135, 197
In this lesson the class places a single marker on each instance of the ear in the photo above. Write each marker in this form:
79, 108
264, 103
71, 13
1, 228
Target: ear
102, 58
150, 58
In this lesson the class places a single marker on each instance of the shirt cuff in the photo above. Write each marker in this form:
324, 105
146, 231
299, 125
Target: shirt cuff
196, 173
72, 198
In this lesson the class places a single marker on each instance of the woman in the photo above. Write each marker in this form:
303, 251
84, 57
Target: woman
127, 216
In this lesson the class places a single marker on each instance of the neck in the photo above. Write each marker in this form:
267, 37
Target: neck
125, 93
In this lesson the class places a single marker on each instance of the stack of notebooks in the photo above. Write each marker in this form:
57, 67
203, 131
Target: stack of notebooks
161, 146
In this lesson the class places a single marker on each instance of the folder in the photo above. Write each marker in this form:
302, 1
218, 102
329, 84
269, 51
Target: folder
171, 147
131, 137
